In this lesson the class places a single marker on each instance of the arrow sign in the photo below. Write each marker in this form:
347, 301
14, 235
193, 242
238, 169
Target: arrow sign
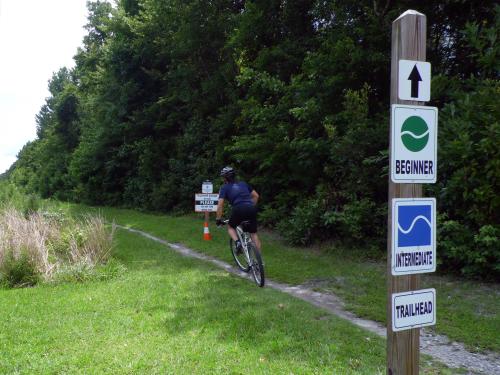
414, 80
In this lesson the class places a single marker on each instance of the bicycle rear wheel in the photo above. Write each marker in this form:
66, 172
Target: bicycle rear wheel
240, 259
257, 265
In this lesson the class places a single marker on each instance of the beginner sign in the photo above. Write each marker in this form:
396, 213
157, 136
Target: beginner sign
414, 80
413, 236
206, 202
414, 144
413, 309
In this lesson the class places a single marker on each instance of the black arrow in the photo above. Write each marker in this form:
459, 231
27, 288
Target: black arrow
415, 78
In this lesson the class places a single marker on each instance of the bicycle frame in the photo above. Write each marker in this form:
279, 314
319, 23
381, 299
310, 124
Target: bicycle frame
254, 260
245, 240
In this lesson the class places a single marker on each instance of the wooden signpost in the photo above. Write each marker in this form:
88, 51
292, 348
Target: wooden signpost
411, 221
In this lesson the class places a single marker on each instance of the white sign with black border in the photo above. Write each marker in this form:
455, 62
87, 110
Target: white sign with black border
207, 187
413, 309
413, 236
414, 144
206, 202
414, 80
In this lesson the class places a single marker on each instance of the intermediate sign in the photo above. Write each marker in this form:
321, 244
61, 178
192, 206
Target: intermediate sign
414, 144
413, 309
206, 202
413, 236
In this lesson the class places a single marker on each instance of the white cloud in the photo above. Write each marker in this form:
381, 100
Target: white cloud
36, 39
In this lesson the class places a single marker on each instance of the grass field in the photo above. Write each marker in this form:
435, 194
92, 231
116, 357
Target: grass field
171, 315
467, 311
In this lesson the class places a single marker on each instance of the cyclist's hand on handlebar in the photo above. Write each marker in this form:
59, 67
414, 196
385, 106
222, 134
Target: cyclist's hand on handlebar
219, 222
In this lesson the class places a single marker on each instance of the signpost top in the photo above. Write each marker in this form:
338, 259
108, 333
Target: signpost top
409, 12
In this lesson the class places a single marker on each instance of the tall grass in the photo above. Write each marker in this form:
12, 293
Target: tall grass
43, 244
26, 237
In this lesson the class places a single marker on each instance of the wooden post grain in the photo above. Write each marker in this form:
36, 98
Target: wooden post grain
408, 43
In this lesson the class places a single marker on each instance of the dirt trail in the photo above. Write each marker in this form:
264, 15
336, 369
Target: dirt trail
452, 354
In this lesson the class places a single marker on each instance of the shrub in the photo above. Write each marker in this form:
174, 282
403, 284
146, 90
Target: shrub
470, 254
18, 271
303, 224
485, 253
358, 221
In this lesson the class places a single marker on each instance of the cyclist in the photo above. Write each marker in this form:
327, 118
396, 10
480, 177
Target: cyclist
243, 200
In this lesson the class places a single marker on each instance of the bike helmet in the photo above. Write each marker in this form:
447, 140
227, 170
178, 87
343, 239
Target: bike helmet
227, 172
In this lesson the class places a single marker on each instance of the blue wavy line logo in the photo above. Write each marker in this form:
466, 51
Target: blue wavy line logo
414, 225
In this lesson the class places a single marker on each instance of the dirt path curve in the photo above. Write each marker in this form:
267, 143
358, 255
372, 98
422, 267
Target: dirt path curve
452, 354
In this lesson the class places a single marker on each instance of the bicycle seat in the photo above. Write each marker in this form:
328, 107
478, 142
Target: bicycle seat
244, 224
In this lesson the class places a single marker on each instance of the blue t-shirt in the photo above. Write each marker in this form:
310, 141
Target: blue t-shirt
237, 193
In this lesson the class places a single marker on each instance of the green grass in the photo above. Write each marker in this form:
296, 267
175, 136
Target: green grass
173, 315
467, 311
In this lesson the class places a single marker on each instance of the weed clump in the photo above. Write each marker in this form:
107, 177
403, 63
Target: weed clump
37, 246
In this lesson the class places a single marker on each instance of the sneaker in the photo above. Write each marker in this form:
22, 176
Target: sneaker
239, 248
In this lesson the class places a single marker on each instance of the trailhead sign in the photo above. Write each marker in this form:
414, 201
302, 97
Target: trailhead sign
413, 309
413, 236
414, 144
414, 80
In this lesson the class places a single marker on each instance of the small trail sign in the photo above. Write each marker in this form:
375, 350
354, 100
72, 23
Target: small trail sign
206, 202
414, 80
413, 236
413, 309
414, 144
207, 187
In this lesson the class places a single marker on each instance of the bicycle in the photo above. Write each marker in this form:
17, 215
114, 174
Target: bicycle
249, 257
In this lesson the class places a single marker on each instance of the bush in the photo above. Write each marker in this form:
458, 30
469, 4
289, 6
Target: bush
484, 255
472, 255
304, 224
358, 221
18, 271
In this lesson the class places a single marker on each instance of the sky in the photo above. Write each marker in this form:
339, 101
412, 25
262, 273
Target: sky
37, 38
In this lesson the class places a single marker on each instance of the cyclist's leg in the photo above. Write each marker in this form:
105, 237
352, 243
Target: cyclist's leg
252, 227
232, 233
234, 221
256, 241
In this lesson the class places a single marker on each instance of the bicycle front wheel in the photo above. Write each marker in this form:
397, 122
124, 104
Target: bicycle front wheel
257, 265
239, 257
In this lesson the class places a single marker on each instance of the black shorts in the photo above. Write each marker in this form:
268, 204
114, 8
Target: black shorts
241, 213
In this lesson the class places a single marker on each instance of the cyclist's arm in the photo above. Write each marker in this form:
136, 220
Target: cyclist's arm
255, 197
220, 209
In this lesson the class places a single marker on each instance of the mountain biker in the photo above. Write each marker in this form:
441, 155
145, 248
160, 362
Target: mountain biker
243, 200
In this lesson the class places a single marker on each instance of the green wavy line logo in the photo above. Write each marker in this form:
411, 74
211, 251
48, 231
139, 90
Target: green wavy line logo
415, 133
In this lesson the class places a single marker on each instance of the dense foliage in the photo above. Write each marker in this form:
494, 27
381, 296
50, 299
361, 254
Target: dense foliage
295, 94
